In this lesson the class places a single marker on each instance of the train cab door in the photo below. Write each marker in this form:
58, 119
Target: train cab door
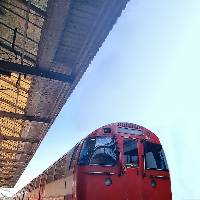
132, 179
156, 178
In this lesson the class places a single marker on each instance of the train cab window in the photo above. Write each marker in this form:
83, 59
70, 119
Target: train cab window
130, 153
154, 156
69, 157
99, 151
74, 157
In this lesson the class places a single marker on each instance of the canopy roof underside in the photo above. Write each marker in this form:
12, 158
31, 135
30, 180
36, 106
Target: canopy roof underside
45, 47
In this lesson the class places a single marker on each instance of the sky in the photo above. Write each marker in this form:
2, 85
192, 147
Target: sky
147, 72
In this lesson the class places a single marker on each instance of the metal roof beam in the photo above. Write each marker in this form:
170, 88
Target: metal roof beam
34, 8
13, 138
34, 71
23, 117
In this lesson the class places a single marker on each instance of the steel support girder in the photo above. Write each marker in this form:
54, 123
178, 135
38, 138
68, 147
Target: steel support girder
19, 116
34, 8
34, 71
13, 138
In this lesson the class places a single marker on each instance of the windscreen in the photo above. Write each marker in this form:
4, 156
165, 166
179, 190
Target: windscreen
99, 151
154, 156
130, 152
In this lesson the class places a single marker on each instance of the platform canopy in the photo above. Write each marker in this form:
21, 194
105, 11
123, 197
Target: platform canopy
45, 47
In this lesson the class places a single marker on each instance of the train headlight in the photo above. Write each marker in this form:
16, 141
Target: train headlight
153, 184
107, 130
108, 182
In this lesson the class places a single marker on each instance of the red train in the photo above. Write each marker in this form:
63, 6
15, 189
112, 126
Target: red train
120, 161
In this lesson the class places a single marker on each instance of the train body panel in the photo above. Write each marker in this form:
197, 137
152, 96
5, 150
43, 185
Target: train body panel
120, 161
58, 188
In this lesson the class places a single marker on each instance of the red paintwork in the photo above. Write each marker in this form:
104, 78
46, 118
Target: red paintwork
135, 184
127, 183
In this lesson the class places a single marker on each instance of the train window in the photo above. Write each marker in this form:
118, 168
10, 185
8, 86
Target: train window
154, 156
99, 151
68, 158
74, 157
130, 153
130, 131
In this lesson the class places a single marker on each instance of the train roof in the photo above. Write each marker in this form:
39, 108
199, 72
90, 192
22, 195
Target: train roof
125, 128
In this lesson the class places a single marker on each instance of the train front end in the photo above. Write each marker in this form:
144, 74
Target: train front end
122, 162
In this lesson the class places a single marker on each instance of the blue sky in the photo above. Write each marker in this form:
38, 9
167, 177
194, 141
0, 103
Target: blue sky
147, 72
